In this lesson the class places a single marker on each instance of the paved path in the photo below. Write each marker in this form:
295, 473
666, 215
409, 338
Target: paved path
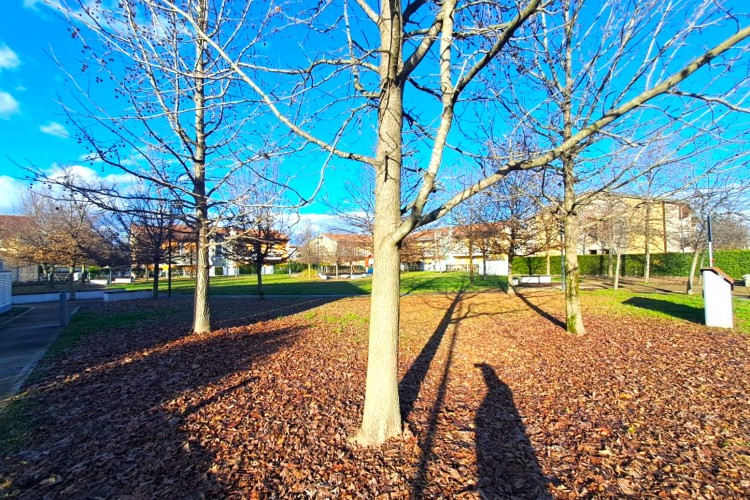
24, 340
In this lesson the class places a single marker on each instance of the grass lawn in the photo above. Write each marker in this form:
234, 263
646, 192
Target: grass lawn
666, 306
283, 284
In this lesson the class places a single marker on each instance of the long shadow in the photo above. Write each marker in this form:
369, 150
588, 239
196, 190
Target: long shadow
507, 466
122, 428
541, 312
419, 481
412, 380
173, 319
689, 313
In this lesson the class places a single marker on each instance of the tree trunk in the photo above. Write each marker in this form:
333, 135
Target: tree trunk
691, 276
647, 250
471, 262
617, 272
549, 263
511, 290
381, 416
201, 308
574, 318
155, 287
259, 275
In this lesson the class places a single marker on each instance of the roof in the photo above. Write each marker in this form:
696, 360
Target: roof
15, 223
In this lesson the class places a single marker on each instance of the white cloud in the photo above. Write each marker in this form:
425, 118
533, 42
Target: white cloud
12, 190
90, 176
55, 129
8, 58
319, 223
8, 105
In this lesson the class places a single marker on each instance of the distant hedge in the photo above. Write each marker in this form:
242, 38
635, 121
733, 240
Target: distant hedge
735, 263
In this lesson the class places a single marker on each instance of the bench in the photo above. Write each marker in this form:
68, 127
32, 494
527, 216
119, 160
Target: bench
535, 279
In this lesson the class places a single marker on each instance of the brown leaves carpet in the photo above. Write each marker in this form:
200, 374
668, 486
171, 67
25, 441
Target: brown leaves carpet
499, 402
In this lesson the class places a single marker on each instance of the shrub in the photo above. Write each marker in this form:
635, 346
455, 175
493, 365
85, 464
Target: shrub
735, 263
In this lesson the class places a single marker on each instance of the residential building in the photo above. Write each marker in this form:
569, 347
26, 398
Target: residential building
12, 228
626, 224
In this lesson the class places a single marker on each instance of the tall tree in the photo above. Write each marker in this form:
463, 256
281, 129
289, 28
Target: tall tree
179, 121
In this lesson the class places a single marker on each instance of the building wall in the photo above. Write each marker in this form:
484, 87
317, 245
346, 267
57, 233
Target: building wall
5, 290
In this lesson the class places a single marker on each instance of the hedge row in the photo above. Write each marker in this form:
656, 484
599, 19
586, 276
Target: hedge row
735, 263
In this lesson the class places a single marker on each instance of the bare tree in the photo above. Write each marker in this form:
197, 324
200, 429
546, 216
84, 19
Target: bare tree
62, 230
186, 128
719, 196
306, 247
597, 86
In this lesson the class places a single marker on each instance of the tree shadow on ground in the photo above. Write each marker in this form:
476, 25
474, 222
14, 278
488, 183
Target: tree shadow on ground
421, 366
681, 311
412, 380
507, 466
119, 427
541, 312
169, 320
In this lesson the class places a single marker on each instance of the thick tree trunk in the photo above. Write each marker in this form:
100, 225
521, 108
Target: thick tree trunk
574, 318
691, 276
381, 416
201, 308
511, 290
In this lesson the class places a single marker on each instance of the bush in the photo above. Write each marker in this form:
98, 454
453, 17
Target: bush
735, 263
295, 267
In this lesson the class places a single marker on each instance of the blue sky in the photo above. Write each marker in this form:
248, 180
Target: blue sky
34, 44
31, 125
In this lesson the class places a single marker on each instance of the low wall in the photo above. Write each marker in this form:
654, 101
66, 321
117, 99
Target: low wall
6, 284
117, 295
55, 296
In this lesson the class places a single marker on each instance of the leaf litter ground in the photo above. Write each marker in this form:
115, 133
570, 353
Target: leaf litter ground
499, 402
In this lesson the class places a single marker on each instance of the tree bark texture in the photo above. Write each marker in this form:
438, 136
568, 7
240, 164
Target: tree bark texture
201, 308
382, 416
691, 276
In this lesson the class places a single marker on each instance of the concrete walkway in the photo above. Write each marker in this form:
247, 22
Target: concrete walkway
23, 341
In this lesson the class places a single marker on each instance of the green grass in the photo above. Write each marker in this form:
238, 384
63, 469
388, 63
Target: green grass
87, 323
16, 425
283, 284
667, 306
